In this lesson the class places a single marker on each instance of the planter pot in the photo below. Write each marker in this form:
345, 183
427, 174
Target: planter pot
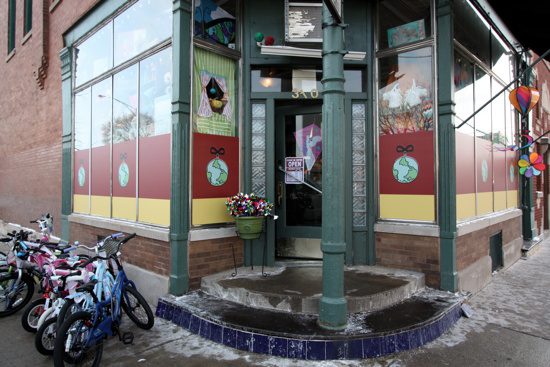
249, 228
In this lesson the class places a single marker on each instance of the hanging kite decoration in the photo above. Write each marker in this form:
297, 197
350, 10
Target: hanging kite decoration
531, 165
524, 98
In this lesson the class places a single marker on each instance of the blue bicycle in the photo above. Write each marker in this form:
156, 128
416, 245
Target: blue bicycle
79, 340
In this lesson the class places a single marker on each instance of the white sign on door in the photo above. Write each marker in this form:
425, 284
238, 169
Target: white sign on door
294, 170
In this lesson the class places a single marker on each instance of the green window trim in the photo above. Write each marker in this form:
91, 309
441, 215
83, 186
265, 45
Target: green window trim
28, 17
11, 26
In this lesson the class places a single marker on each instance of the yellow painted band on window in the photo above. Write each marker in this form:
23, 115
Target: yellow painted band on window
499, 198
512, 198
154, 211
124, 208
81, 204
465, 206
484, 203
408, 207
101, 206
210, 211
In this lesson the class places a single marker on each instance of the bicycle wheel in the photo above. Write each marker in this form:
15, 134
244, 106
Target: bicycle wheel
137, 309
70, 342
12, 297
69, 307
31, 315
45, 336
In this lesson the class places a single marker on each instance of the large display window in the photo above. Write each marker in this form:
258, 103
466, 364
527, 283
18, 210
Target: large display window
406, 136
122, 117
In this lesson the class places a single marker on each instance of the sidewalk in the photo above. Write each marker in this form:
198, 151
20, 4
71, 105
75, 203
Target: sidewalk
510, 327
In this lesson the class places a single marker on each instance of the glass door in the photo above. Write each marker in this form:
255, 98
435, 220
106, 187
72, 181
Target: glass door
299, 163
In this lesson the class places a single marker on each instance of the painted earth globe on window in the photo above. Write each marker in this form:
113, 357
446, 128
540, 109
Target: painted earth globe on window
217, 172
405, 169
81, 176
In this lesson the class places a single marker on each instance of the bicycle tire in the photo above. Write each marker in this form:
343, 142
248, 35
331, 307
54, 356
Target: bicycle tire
44, 340
143, 321
78, 325
69, 307
12, 304
31, 315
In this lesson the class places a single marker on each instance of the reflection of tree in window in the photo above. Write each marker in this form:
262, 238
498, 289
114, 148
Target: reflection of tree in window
405, 94
214, 21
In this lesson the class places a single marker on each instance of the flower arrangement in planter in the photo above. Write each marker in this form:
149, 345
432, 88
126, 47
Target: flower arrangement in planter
249, 211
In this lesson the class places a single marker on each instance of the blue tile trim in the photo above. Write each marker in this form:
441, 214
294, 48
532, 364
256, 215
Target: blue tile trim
230, 337
338, 349
316, 350
261, 344
297, 349
278, 346
216, 333
355, 349
205, 329
244, 341
195, 324
367, 347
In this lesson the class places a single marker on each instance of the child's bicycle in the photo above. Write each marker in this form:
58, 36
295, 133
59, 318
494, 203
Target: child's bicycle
80, 338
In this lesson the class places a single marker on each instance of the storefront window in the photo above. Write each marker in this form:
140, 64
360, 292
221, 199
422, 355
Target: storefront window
125, 87
143, 25
216, 22
485, 169
403, 22
125, 113
484, 148
95, 55
464, 138
82, 141
101, 144
406, 139
155, 127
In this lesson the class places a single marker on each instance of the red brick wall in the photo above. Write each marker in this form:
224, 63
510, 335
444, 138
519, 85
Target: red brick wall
417, 253
143, 252
30, 120
473, 246
212, 256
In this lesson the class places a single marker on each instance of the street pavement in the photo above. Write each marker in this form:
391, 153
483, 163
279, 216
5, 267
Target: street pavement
510, 327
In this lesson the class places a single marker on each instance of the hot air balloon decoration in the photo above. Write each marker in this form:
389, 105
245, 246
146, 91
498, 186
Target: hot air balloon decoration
531, 165
524, 98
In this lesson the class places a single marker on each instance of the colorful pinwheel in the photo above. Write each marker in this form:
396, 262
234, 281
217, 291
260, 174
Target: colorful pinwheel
531, 165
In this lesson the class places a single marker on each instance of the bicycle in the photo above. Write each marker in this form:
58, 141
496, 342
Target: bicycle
81, 335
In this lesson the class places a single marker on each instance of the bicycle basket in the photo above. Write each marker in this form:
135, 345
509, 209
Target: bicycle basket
110, 246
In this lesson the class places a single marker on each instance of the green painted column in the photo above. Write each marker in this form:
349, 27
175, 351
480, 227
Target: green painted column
333, 304
526, 188
66, 141
446, 147
179, 199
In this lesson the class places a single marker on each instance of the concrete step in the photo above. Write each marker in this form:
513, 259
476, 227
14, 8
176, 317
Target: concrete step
405, 325
299, 289
531, 247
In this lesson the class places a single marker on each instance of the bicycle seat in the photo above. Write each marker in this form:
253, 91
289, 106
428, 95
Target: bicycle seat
88, 287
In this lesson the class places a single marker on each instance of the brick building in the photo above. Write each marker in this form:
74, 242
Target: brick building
115, 118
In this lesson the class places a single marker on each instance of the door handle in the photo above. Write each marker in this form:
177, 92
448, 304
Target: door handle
280, 188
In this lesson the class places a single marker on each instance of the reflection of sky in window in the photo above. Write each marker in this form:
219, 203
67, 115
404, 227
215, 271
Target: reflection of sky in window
101, 113
156, 94
82, 120
141, 26
498, 115
482, 95
94, 56
125, 104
